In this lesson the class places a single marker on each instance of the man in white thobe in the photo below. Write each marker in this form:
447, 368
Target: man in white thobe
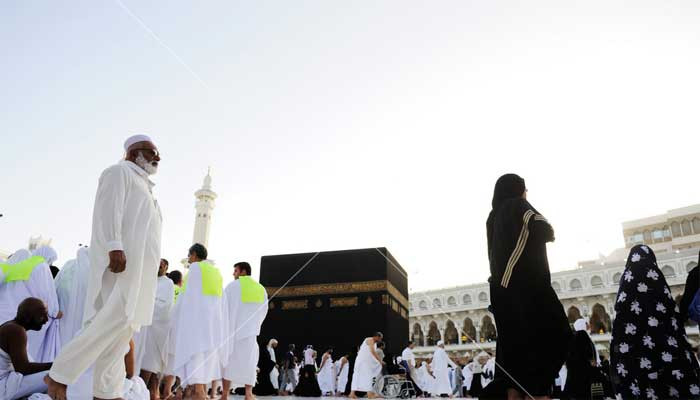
71, 288
245, 308
197, 330
134, 387
309, 356
408, 361
275, 373
152, 353
124, 254
468, 374
440, 364
30, 276
368, 365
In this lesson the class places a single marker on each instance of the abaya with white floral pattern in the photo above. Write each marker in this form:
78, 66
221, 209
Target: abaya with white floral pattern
528, 314
651, 357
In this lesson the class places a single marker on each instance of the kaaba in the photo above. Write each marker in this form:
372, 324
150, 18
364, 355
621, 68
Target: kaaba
335, 300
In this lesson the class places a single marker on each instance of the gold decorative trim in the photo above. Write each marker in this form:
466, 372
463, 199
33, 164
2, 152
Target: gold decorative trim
295, 304
338, 288
344, 301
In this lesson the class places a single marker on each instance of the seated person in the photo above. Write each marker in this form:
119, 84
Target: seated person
19, 377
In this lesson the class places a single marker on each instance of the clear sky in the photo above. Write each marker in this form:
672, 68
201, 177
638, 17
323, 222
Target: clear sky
334, 124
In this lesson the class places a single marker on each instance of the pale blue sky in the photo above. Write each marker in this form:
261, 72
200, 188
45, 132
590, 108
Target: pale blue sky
332, 125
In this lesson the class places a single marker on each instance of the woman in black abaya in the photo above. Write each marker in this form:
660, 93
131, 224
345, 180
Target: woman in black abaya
528, 314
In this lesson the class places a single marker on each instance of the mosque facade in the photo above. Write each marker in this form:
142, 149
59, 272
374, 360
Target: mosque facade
459, 315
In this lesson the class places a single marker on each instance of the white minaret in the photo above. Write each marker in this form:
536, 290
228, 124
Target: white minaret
204, 206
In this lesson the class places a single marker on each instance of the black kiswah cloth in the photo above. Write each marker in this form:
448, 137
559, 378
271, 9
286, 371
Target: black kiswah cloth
650, 356
528, 314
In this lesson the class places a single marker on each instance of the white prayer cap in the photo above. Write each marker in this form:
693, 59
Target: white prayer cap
19, 256
483, 354
135, 139
47, 252
440, 343
580, 324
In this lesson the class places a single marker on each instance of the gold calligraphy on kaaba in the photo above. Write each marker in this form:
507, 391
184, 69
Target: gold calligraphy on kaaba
295, 304
339, 288
343, 301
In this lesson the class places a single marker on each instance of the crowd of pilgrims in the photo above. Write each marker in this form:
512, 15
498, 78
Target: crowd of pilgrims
198, 331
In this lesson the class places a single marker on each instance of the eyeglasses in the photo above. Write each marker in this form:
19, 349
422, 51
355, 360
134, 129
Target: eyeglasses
153, 152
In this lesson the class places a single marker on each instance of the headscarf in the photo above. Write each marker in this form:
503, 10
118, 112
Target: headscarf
691, 288
508, 228
508, 186
48, 253
19, 256
650, 356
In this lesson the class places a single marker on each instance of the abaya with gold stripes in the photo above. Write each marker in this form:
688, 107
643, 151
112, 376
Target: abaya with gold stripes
529, 316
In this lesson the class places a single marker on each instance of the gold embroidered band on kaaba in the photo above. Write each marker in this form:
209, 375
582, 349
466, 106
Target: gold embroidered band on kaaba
338, 288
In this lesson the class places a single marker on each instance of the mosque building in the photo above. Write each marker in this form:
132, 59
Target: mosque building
459, 315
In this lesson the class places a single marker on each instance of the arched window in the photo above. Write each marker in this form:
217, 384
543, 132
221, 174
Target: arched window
573, 314
667, 233
685, 227
410, 306
600, 320
690, 266
556, 286
451, 301
676, 229
467, 299
597, 282
483, 297
451, 334
637, 237
423, 305
469, 331
696, 225
657, 235
437, 303
668, 271
433, 334
616, 278
417, 335
488, 329
575, 284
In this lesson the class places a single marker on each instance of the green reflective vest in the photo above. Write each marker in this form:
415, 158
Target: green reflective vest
178, 290
251, 291
212, 282
22, 270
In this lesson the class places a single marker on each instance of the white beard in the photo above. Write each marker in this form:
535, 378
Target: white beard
150, 168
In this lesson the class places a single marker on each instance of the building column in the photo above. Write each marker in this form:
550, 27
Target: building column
478, 333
